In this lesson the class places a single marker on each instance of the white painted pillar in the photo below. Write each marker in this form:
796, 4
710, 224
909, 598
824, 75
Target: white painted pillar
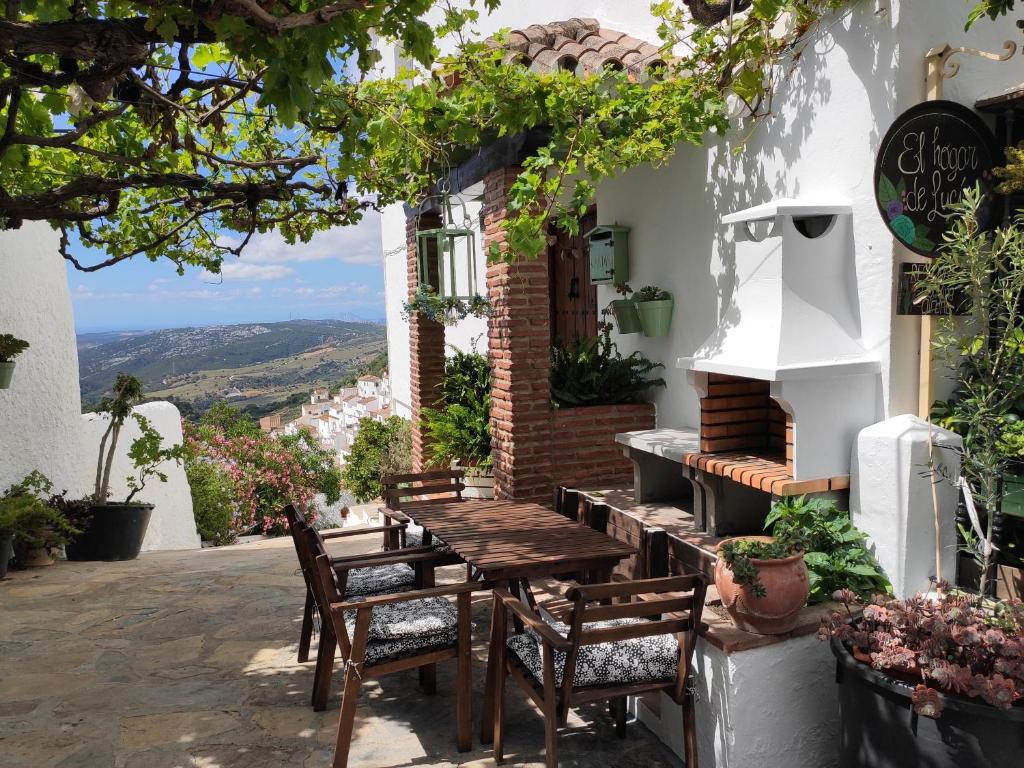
891, 498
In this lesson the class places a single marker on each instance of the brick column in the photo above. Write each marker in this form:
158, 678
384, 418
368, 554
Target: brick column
426, 350
519, 333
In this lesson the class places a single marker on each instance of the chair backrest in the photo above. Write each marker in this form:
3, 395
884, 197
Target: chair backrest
674, 604
325, 586
651, 541
296, 525
423, 487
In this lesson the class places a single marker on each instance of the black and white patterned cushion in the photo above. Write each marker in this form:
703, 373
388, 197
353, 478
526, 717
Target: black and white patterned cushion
380, 580
636, 660
414, 538
402, 629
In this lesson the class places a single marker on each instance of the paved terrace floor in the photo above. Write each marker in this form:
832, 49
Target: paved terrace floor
187, 660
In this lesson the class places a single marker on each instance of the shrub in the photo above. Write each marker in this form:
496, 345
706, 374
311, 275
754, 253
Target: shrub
460, 429
947, 643
594, 372
262, 474
213, 501
380, 449
834, 549
35, 523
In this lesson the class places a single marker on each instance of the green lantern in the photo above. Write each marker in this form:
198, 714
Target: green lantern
444, 248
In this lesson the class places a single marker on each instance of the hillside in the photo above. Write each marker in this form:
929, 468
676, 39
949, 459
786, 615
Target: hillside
249, 365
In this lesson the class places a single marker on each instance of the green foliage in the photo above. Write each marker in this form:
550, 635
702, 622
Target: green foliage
600, 124
229, 420
147, 454
594, 372
991, 8
213, 501
11, 347
1012, 174
835, 551
986, 352
317, 465
155, 128
25, 513
460, 428
447, 310
253, 477
380, 449
652, 293
739, 556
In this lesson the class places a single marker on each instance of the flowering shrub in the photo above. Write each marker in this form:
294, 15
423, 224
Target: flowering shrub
259, 474
948, 643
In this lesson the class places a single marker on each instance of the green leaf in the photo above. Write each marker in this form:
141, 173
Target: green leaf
886, 191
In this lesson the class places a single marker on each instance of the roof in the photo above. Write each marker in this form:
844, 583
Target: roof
369, 378
1011, 98
582, 46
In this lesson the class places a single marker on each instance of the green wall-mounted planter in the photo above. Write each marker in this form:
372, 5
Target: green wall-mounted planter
6, 374
655, 316
627, 319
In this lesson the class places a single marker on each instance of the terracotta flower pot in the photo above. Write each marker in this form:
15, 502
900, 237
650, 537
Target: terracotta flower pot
38, 558
786, 588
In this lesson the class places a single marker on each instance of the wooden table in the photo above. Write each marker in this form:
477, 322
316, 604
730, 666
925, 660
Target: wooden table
512, 540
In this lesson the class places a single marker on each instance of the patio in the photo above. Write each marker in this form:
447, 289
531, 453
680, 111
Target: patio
187, 659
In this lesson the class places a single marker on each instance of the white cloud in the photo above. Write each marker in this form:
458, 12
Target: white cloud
357, 244
241, 270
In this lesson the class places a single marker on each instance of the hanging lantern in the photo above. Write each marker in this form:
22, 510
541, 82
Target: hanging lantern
445, 248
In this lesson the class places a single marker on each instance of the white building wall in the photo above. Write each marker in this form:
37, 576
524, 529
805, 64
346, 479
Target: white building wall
830, 114
41, 422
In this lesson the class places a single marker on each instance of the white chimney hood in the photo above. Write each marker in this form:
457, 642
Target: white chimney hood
793, 312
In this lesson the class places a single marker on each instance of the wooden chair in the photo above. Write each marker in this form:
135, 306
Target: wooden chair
389, 578
602, 652
383, 634
415, 489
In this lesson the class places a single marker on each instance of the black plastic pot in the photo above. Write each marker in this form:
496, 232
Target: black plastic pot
6, 553
879, 728
113, 532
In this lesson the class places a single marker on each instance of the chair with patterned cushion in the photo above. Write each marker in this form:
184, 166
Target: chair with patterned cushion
402, 492
382, 634
381, 579
602, 652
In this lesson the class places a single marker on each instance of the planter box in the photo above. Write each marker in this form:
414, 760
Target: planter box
880, 729
479, 481
583, 448
6, 374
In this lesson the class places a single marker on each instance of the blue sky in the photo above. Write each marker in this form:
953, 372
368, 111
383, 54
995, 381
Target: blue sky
339, 274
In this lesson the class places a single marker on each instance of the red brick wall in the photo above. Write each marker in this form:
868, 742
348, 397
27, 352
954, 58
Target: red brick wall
519, 333
583, 442
535, 448
426, 351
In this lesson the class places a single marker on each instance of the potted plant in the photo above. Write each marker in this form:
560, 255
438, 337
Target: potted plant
763, 582
115, 530
33, 529
654, 306
459, 428
933, 680
10, 348
627, 319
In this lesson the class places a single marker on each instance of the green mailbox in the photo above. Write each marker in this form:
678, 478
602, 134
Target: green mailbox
609, 254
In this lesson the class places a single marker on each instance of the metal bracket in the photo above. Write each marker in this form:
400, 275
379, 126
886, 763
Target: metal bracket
940, 66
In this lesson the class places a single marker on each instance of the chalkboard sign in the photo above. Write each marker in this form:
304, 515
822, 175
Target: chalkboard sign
929, 156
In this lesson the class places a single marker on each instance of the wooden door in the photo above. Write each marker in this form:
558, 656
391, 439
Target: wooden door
574, 312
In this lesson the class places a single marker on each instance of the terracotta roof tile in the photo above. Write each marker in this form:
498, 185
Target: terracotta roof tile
582, 45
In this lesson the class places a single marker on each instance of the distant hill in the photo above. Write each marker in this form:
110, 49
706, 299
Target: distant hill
253, 364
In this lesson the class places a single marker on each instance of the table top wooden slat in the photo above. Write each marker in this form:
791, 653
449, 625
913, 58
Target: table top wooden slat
511, 539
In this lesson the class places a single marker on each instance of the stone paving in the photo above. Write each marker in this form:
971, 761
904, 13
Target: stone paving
187, 660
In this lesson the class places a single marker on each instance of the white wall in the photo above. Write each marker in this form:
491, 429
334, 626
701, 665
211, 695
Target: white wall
41, 422
465, 335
